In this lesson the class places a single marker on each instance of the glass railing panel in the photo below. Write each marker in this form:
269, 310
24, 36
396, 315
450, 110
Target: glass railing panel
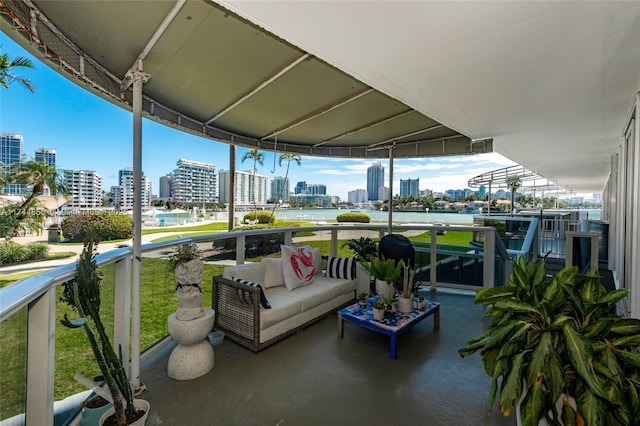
13, 364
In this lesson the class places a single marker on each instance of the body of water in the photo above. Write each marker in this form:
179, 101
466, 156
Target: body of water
376, 216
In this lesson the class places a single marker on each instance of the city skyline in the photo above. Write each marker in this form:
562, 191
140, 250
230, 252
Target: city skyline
66, 118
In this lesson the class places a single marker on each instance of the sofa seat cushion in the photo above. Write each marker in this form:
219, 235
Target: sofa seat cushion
283, 306
312, 295
337, 286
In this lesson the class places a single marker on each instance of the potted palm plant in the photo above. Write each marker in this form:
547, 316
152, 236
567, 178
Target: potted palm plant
82, 294
557, 352
386, 272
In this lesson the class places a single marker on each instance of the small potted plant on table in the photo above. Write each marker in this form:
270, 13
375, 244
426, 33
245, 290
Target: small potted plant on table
379, 310
362, 300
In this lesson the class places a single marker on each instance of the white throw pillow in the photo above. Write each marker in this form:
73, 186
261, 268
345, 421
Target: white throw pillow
298, 266
273, 274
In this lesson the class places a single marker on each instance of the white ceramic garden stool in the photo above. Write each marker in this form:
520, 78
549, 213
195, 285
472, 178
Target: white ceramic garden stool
193, 357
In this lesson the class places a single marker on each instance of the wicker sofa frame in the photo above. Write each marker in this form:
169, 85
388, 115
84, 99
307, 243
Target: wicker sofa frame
237, 311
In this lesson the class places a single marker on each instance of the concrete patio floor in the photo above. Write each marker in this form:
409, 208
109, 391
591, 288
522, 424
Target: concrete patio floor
316, 378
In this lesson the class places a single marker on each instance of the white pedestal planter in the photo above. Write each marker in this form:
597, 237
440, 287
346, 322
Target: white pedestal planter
383, 289
194, 356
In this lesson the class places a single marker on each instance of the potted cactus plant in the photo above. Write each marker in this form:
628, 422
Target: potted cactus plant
556, 350
82, 293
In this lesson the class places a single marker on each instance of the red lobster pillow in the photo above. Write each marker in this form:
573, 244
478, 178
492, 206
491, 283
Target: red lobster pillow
298, 267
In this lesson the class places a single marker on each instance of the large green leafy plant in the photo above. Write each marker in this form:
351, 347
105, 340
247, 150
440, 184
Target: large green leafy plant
557, 339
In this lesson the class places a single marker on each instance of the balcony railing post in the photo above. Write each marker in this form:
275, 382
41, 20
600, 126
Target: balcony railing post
433, 261
122, 308
488, 267
240, 249
334, 242
40, 359
288, 237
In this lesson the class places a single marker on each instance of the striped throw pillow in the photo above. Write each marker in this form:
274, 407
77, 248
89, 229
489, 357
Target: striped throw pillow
341, 267
263, 299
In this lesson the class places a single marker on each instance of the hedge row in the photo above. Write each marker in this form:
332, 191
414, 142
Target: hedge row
12, 252
105, 226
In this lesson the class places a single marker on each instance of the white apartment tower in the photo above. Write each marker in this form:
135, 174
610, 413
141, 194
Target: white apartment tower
194, 182
244, 188
125, 181
85, 188
357, 196
279, 189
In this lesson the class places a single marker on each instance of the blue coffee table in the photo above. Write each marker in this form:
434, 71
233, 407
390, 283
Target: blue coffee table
392, 325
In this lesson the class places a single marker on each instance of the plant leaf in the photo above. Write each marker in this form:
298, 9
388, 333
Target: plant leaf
532, 406
580, 354
628, 357
512, 387
626, 326
589, 405
490, 295
539, 358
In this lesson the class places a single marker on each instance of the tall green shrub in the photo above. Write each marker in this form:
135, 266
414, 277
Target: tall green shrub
106, 226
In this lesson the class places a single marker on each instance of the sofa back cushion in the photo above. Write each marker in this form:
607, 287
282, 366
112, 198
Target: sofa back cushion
253, 272
298, 266
273, 272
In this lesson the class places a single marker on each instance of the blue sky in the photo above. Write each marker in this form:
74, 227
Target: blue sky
90, 133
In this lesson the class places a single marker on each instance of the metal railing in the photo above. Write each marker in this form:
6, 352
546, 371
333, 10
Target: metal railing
37, 294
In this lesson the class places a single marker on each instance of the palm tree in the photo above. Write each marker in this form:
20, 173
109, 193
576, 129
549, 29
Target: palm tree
513, 183
288, 158
39, 174
6, 71
257, 157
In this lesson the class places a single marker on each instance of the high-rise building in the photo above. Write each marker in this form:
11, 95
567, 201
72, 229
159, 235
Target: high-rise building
85, 188
409, 187
279, 189
316, 189
357, 196
46, 155
10, 156
301, 188
165, 190
244, 188
194, 182
125, 181
375, 180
